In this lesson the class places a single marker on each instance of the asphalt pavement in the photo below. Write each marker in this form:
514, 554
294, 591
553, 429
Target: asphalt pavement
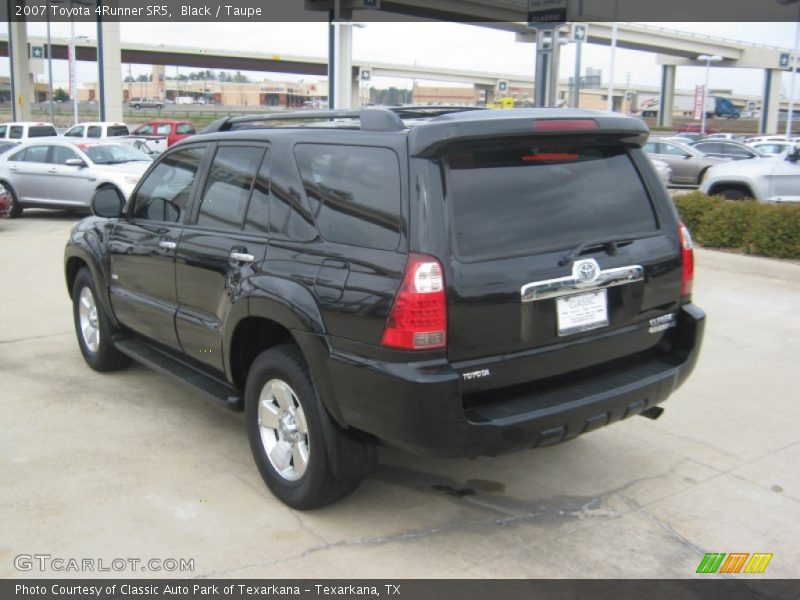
133, 465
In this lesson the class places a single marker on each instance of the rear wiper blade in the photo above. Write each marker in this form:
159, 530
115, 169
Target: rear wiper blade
609, 245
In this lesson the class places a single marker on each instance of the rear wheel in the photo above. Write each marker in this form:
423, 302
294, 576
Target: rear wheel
294, 442
93, 328
733, 193
16, 209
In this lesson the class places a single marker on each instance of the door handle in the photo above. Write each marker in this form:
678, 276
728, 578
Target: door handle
53, 170
167, 245
242, 256
13, 168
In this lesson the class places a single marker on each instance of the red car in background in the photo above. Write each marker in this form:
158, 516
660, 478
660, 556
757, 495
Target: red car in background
171, 130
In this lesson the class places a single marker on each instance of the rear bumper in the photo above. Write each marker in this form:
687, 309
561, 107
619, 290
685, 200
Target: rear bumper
419, 407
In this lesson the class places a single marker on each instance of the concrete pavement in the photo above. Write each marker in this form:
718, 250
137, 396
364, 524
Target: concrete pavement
131, 464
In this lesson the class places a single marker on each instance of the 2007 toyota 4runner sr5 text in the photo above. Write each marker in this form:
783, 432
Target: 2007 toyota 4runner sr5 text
446, 281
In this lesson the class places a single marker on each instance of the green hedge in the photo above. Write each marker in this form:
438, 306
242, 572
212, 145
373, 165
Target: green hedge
765, 229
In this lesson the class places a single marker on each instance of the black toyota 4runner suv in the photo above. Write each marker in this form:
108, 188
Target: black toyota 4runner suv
445, 281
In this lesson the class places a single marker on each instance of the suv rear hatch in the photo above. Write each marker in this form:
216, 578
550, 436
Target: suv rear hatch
563, 248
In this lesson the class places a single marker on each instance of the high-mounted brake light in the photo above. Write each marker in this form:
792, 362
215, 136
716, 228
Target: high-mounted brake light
549, 156
418, 320
687, 260
564, 124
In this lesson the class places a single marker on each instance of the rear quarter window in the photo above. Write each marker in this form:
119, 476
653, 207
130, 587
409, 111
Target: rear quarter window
117, 130
354, 193
41, 131
185, 128
519, 200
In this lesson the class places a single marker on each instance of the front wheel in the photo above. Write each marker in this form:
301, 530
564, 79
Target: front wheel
294, 442
93, 328
16, 209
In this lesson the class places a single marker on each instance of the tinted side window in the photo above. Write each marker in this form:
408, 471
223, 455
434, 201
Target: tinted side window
145, 130
76, 131
230, 178
164, 195
185, 128
258, 210
15, 132
672, 150
94, 131
3, 131
41, 131
60, 155
354, 193
117, 130
35, 154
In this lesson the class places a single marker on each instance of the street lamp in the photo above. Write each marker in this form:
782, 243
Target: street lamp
73, 68
708, 60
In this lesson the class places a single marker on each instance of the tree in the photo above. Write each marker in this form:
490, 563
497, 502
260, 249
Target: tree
60, 95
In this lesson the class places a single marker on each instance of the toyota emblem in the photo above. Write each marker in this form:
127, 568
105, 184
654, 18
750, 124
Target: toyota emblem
586, 271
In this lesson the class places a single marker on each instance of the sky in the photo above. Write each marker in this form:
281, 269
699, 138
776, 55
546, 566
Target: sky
433, 44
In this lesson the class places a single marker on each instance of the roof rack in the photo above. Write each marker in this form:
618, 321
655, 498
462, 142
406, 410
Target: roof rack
373, 118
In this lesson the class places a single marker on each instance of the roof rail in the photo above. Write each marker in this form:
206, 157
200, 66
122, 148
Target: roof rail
371, 119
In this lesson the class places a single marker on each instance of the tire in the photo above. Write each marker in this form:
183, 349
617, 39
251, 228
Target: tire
137, 106
733, 193
295, 444
93, 328
16, 209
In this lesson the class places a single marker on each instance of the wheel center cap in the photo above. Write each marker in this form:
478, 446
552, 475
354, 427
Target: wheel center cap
287, 428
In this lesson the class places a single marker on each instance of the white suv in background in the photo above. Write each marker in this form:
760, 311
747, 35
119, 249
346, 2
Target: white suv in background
97, 130
23, 130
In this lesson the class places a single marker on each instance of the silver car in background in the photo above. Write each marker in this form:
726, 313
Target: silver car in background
688, 165
57, 173
765, 179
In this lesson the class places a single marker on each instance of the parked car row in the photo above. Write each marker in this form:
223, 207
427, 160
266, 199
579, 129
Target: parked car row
152, 137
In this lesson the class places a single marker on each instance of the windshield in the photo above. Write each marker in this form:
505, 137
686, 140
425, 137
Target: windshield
112, 154
514, 201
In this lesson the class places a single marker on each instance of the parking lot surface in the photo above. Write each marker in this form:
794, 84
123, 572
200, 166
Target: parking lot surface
134, 465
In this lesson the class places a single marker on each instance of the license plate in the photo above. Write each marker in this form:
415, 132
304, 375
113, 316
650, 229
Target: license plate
582, 312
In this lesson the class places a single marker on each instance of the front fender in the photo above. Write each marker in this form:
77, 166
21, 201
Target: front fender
88, 242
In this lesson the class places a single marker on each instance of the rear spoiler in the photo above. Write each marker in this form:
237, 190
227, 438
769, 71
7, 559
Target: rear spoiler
429, 139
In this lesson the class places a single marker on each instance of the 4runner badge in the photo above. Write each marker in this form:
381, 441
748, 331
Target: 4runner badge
476, 374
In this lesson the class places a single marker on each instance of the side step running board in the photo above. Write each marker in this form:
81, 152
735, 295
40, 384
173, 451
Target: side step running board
162, 362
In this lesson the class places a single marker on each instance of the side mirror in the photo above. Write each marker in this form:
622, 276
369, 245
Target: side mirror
75, 162
794, 155
108, 203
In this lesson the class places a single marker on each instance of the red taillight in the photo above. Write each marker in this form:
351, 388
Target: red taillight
564, 124
418, 320
687, 259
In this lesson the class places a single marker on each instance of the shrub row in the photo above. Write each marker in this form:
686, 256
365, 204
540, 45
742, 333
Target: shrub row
765, 229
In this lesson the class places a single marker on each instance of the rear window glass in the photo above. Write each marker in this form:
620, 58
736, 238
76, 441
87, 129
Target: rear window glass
41, 131
514, 201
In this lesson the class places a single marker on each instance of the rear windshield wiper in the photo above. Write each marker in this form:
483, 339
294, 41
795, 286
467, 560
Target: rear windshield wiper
609, 245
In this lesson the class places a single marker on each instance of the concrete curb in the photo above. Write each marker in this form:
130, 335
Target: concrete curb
747, 265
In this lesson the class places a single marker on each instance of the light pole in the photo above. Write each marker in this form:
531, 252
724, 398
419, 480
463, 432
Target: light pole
708, 60
790, 115
613, 56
